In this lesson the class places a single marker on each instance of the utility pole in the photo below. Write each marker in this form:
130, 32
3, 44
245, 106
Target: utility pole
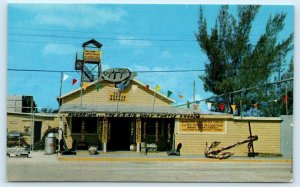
60, 90
194, 92
32, 124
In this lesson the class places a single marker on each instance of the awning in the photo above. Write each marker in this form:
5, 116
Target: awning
123, 110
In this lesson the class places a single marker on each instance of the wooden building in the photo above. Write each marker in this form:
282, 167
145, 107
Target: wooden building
138, 116
115, 121
31, 124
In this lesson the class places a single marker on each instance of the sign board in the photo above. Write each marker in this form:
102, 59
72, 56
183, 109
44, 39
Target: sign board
104, 130
209, 126
131, 115
92, 55
138, 130
123, 97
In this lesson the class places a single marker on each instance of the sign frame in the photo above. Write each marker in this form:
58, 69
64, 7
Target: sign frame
179, 131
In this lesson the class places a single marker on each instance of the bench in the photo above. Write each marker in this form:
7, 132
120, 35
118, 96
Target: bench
145, 147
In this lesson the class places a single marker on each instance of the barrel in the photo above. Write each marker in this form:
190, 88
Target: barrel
50, 141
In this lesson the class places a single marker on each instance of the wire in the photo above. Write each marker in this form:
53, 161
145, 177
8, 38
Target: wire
85, 32
104, 38
141, 71
129, 45
241, 90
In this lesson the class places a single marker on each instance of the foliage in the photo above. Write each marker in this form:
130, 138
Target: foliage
234, 61
49, 110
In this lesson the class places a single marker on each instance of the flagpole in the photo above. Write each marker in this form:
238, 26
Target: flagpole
194, 91
154, 101
118, 99
81, 79
60, 89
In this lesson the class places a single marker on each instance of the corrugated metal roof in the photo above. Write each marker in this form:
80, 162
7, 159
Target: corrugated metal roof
51, 115
122, 108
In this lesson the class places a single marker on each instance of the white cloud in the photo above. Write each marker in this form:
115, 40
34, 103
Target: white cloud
59, 49
132, 41
166, 54
74, 16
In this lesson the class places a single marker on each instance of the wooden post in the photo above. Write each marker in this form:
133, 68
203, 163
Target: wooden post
241, 107
156, 132
104, 134
145, 131
138, 134
250, 143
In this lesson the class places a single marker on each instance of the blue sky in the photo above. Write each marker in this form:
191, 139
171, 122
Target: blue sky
139, 37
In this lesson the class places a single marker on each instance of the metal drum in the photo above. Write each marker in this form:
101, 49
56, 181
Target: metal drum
50, 144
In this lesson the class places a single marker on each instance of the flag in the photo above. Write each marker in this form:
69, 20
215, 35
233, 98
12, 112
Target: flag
180, 96
233, 107
197, 101
255, 105
134, 87
169, 93
275, 100
157, 88
265, 104
148, 87
116, 90
209, 105
221, 106
65, 77
85, 85
97, 86
121, 86
74, 81
196, 107
284, 99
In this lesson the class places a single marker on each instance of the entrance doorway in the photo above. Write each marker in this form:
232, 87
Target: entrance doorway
119, 134
37, 131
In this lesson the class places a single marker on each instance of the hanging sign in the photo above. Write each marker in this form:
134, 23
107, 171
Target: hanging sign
90, 55
138, 130
211, 126
104, 130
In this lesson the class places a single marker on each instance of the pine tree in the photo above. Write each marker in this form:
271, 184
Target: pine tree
234, 62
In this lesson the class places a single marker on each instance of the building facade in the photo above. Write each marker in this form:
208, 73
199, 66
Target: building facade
138, 116
31, 124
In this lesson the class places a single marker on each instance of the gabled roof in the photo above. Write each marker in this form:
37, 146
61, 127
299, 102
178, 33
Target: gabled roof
134, 80
92, 41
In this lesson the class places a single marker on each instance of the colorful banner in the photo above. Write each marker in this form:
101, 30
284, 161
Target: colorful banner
221, 106
157, 88
65, 77
209, 105
134, 87
233, 107
97, 86
284, 99
74, 81
169, 93
121, 86
85, 85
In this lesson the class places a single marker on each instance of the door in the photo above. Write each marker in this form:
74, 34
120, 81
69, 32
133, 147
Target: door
37, 131
119, 134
